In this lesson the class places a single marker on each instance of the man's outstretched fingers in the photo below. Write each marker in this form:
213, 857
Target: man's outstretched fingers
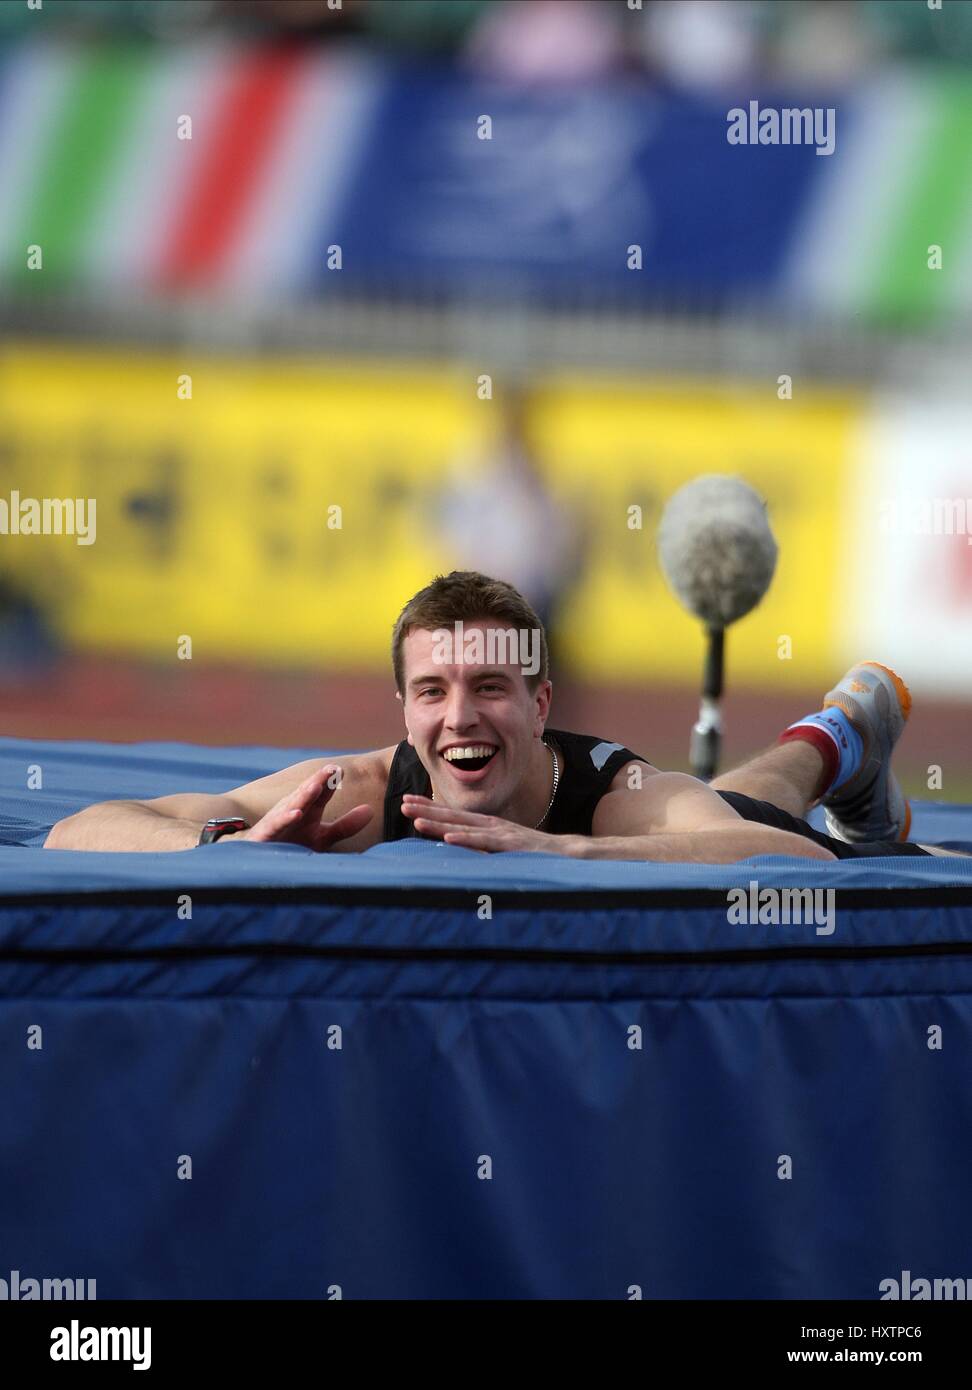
273, 824
472, 839
332, 832
445, 815
455, 832
299, 814
439, 828
314, 792
425, 826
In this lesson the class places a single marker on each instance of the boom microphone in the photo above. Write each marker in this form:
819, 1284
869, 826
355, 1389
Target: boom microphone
719, 555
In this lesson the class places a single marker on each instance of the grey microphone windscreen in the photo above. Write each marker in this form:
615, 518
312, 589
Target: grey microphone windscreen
716, 548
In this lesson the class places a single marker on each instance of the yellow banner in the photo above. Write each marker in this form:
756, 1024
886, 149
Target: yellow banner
625, 445
285, 511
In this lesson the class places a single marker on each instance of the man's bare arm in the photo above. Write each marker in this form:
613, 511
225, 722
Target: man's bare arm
718, 844
674, 817
141, 825
304, 803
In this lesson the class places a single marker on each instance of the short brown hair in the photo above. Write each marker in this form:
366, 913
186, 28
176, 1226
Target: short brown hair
466, 596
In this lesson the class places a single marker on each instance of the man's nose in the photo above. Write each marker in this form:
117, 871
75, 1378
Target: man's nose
460, 709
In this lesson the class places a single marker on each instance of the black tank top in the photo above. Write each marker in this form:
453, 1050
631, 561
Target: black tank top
587, 767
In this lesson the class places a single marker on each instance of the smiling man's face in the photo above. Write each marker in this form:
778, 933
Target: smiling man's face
485, 707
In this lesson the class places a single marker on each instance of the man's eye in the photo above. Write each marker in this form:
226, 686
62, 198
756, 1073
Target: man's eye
491, 687
431, 690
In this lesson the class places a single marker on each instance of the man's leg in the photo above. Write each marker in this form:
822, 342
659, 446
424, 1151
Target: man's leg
777, 786
844, 760
790, 775
841, 755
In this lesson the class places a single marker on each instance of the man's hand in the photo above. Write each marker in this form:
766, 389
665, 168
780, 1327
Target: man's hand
296, 818
490, 834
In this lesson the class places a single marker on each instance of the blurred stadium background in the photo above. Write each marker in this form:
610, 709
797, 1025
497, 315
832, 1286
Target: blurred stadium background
338, 259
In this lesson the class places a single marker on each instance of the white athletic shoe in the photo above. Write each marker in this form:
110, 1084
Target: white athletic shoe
871, 805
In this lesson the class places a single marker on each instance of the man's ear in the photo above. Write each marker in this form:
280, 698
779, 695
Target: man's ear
410, 740
543, 696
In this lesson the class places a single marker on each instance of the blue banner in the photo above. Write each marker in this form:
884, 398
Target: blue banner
471, 187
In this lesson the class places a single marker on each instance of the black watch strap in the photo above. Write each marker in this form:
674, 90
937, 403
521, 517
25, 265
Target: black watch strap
214, 829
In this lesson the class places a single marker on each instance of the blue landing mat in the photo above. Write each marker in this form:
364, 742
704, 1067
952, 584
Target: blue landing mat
250, 1071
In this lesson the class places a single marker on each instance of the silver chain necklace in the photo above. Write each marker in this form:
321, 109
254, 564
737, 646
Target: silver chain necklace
556, 780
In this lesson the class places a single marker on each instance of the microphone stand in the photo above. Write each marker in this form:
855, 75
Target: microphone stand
706, 742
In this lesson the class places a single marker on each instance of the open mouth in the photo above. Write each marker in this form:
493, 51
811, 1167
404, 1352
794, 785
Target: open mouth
470, 763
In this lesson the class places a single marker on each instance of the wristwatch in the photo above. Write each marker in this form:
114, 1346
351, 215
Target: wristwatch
216, 827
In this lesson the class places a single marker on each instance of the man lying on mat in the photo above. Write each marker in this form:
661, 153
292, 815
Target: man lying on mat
480, 768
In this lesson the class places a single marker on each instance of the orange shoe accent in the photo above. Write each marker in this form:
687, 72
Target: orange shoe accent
907, 825
904, 694
842, 702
